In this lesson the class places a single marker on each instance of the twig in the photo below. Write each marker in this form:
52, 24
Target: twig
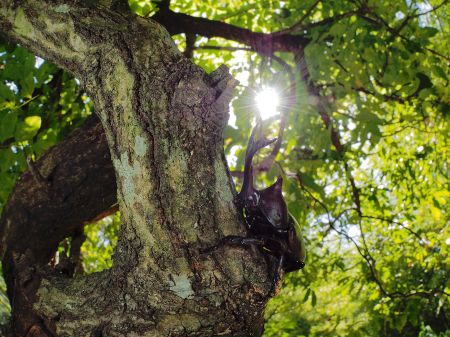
432, 9
297, 26
380, 22
330, 20
335, 138
369, 259
190, 45
226, 48
421, 240
113, 209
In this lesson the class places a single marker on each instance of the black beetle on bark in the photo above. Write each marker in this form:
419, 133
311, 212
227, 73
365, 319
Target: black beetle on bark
269, 223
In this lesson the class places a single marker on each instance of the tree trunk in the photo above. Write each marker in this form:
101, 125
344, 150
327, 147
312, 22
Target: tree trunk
163, 118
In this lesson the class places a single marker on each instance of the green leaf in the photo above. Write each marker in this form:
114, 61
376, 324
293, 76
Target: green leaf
147, 9
369, 117
19, 66
400, 321
244, 108
143, 8
428, 32
313, 299
135, 6
285, 13
436, 203
425, 81
413, 47
309, 182
43, 73
231, 133
438, 71
8, 122
5, 92
28, 128
338, 29
7, 159
27, 86
445, 108
375, 134
308, 292
10, 47
44, 141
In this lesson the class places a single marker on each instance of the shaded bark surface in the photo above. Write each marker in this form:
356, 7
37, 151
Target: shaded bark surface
163, 119
52, 204
63, 197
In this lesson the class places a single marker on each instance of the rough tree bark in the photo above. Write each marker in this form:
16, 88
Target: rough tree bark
163, 119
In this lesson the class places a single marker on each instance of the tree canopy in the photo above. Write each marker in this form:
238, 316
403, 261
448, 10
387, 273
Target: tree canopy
362, 143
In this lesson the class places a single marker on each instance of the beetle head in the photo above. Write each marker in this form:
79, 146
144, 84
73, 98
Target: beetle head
273, 206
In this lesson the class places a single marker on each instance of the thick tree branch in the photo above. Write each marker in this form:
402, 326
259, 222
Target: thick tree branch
72, 169
20, 24
262, 43
42, 217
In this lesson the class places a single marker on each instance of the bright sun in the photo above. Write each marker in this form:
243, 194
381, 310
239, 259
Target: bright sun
267, 101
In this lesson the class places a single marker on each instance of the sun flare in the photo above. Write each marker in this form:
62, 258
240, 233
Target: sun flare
267, 101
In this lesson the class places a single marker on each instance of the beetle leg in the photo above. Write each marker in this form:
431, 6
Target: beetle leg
282, 230
235, 240
244, 241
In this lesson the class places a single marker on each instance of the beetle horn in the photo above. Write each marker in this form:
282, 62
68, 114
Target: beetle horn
256, 142
279, 183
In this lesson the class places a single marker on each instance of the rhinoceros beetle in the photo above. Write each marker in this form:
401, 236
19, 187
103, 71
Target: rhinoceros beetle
269, 223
